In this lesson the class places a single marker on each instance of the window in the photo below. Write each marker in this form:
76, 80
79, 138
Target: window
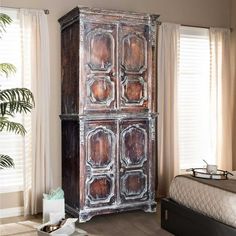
194, 98
14, 145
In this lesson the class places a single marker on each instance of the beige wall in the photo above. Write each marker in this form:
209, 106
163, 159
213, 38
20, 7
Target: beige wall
9, 200
195, 12
233, 50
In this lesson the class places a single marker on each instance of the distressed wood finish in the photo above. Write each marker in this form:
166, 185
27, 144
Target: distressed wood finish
134, 166
70, 154
100, 166
108, 111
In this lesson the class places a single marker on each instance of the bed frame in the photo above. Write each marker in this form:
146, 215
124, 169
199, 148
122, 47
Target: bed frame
182, 221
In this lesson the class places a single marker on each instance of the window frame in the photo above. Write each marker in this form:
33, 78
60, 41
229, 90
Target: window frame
190, 39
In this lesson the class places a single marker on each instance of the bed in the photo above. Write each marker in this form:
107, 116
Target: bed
199, 207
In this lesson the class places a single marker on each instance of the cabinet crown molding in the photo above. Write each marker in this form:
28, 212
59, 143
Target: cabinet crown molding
119, 15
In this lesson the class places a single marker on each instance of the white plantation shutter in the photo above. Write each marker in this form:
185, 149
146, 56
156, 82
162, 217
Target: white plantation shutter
10, 143
194, 98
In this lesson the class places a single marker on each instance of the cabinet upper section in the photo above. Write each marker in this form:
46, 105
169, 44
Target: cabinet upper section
108, 61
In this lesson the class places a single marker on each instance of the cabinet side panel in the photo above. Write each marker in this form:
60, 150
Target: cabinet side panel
70, 68
70, 162
153, 80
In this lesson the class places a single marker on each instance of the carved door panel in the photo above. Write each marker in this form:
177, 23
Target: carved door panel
100, 66
133, 68
134, 161
100, 163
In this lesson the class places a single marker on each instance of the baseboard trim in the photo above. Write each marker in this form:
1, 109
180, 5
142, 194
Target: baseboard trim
10, 212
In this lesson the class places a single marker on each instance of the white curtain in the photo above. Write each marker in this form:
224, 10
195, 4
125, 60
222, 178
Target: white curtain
168, 160
233, 76
36, 71
221, 96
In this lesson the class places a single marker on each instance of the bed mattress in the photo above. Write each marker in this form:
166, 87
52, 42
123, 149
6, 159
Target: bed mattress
210, 201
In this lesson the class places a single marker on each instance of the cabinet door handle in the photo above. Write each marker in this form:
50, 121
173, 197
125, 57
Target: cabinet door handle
112, 74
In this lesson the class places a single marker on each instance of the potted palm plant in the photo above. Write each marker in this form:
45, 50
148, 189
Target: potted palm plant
12, 101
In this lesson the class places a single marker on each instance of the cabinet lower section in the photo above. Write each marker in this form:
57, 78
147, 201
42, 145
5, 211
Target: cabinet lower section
87, 214
108, 165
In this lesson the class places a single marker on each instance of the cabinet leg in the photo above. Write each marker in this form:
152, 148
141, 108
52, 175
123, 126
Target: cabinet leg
84, 217
150, 208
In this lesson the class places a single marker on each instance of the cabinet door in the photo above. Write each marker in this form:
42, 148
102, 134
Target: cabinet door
134, 161
98, 60
100, 165
133, 66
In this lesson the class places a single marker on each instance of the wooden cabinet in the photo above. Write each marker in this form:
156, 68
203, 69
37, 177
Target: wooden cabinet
108, 111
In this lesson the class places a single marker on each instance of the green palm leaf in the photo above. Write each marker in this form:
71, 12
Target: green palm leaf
11, 126
6, 69
6, 161
4, 21
16, 100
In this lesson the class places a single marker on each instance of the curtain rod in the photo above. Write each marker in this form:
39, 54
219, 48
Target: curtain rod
46, 11
204, 27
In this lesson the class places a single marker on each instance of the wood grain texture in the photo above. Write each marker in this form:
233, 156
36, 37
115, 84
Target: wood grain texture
108, 120
70, 162
70, 70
